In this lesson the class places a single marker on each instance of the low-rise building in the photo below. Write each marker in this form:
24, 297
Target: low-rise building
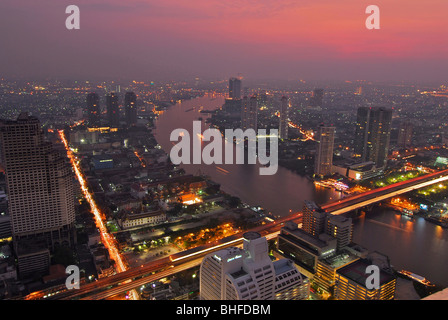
132, 220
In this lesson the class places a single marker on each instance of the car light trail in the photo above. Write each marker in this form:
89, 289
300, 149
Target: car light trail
142, 161
107, 238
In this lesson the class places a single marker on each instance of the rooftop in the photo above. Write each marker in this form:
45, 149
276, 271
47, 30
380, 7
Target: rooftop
356, 271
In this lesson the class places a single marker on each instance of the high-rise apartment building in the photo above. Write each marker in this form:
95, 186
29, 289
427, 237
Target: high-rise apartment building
372, 136
317, 222
405, 134
113, 111
40, 188
249, 113
341, 228
323, 162
283, 125
130, 105
93, 109
234, 88
250, 274
314, 218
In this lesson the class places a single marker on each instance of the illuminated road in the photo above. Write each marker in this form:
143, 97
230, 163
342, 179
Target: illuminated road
271, 230
107, 239
130, 279
154, 270
380, 194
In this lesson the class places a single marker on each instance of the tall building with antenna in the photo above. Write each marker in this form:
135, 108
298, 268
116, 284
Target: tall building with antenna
283, 125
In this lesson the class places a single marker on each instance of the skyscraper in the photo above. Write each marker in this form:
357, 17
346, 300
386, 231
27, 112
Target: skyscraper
314, 218
317, 98
130, 104
93, 109
249, 113
283, 126
40, 191
323, 164
234, 88
405, 134
113, 111
372, 134
250, 274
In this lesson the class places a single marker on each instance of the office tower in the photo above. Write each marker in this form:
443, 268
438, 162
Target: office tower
351, 282
130, 104
249, 113
325, 276
93, 109
234, 88
249, 274
405, 134
113, 111
303, 248
372, 134
283, 127
323, 163
341, 228
317, 98
314, 218
40, 187
362, 125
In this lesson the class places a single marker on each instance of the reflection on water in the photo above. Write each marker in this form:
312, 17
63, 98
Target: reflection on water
281, 193
414, 245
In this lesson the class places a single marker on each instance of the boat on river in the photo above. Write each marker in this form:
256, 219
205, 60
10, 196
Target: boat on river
416, 277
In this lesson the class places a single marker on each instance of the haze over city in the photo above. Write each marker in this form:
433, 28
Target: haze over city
217, 150
175, 39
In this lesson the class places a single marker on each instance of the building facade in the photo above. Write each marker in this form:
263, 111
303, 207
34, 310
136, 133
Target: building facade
250, 274
284, 122
234, 88
113, 111
249, 113
130, 105
40, 187
351, 283
93, 109
372, 136
323, 164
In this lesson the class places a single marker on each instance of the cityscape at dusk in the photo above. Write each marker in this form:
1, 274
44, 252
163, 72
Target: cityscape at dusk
233, 151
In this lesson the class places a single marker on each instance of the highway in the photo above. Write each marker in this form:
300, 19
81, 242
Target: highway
157, 269
380, 194
271, 230
130, 279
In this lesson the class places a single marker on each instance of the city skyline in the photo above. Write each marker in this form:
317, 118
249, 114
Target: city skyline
134, 162
211, 39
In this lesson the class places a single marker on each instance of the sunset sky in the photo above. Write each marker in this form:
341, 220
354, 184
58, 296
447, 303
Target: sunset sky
174, 39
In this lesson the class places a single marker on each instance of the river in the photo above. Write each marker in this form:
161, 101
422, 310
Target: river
415, 245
